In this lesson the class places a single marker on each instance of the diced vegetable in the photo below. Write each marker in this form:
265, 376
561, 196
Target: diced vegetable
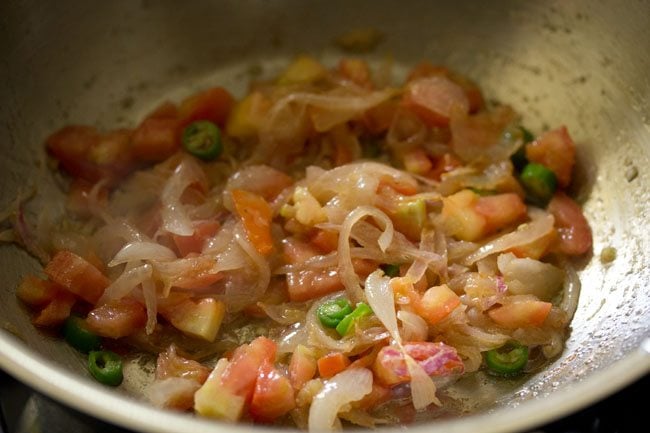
202, 139
36, 292
539, 182
331, 313
332, 364
500, 210
303, 70
391, 270
355, 70
106, 367
460, 218
77, 334
410, 218
156, 139
508, 360
247, 116
347, 324
273, 396
77, 276
436, 303
572, 226
194, 243
56, 311
302, 367
215, 400
117, 319
417, 161
521, 314
241, 374
212, 104
256, 216
201, 319
555, 150
434, 99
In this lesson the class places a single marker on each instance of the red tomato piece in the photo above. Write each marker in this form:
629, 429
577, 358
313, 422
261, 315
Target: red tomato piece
212, 104
117, 319
309, 284
256, 215
56, 311
500, 210
273, 396
36, 292
556, 150
520, 314
355, 70
572, 226
433, 99
437, 303
170, 364
156, 139
77, 276
241, 374
203, 230
302, 366
332, 364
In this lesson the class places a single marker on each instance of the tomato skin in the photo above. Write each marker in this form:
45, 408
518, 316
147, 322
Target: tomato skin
77, 276
500, 210
117, 319
241, 374
556, 150
156, 139
273, 396
520, 314
575, 236
212, 104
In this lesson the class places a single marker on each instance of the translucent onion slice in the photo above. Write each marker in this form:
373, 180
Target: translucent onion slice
347, 386
346, 269
151, 303
525, 234
137, 251
126, 282
174, 216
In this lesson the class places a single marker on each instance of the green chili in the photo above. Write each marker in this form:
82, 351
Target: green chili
539, 182
203, 140
526, 135
106, 367
519, 159
390, 269
332, 312
77, 334
508, 360
347, 324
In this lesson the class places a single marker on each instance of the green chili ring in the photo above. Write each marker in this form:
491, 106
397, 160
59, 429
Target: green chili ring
346, 325
77, 334
203, 140
508, 360
332, 312
106, 367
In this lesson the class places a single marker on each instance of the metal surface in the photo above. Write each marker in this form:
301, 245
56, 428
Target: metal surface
579, 63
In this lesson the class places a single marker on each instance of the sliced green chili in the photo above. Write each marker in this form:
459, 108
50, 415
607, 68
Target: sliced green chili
106, 367
203, 140
77, 334
539, 182
332, 312
519, 159
390, 269
508, 360
347, 324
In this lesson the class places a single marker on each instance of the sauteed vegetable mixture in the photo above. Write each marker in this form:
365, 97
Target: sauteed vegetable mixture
327, 250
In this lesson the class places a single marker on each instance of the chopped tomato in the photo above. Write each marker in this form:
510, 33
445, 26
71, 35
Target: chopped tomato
556, 150
477, 137
310, 284
118, 318
302, 366
379, 118
437, 303
170, 364
156, 139
437, 359
572, 226
500, 210
520, 314
76, 275
212, 104
241, 374
355, 70
247, 116
460, 218
404, 185
325, 241
36, 292
197, 318
56, 311
537, 248
346, 145
256, 215
332, 364
166, 110
434, 99
417, 161
273, 396
203, 230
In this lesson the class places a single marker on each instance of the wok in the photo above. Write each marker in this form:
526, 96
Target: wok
580, 63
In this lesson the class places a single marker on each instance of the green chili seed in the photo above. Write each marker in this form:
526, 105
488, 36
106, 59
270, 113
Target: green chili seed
390, 269
539, 182
106, 367
203, 140
508, 360
347, 324
332, 312
77, 334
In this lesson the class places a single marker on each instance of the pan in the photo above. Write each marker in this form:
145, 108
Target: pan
579, 63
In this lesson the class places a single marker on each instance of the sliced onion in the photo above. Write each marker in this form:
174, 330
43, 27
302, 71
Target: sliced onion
291, 337
174, 216
345, 387
172, 391
136, 251
572, 287
151, 303
285, 314
346, 269
414, 327
126, 282
525, 234
423, 390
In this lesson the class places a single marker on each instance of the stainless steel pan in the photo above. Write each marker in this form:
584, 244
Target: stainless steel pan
580, 63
